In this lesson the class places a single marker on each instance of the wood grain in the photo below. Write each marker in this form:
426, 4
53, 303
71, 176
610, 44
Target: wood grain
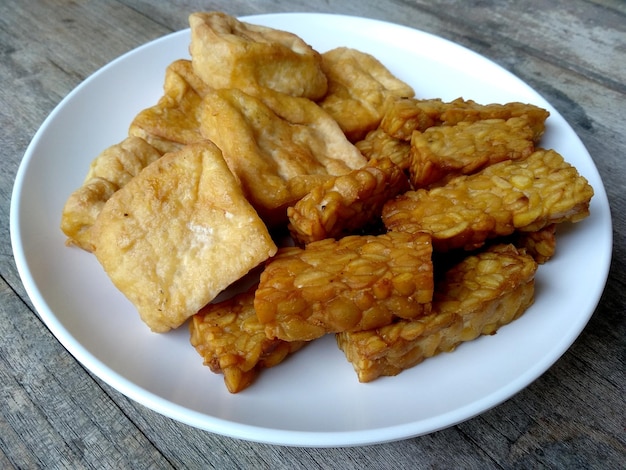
56, 414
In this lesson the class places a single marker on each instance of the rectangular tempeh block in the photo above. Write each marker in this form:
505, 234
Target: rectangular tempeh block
476, 297
525, 195
355, 283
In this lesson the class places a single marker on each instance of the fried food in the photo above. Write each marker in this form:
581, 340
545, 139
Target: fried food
278, 146
359, 87
231, 341
108, 172
476, 297
175, 120
541, 245
402, 117
346, 204
356, 283
443, 152
377, 144
179, 233
525, 195
228, 53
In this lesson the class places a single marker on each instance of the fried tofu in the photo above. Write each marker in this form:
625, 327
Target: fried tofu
174, 121
278, 146
525, 195
355, 283
179, 233
228, 53
108, 172
476, 297
359, 87
232, 342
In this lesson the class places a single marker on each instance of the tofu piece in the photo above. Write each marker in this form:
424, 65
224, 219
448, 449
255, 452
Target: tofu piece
178, 234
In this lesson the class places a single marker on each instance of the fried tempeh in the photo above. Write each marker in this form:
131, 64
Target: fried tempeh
478, 296
402, 117
356, 283
278, 146
179, 233
378, 144
175, 120
108, 172
443, 152
359, 87
524, 195
345, 204
231, 341
228, 53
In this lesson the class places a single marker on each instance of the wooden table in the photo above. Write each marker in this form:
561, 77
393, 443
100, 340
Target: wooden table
56, 414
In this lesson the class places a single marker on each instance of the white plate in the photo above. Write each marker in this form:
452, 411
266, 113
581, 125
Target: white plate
313, 399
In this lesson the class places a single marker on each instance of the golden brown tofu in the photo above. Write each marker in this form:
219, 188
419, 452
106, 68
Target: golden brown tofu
443, 152
228, 53
231, 341
525, 195
108, 172
355, 283
279, 147
179, 233
359, 87
478, 296
346, 204
175, 120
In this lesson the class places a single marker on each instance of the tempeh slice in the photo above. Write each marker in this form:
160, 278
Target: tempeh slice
356, 283
231, 341
476, 297
440, 153
378, 144
407, 115
524, 195
345, 204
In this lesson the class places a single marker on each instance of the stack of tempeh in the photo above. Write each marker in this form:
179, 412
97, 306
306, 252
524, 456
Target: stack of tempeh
418, 223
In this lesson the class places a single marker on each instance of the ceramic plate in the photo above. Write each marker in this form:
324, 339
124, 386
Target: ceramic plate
314, 398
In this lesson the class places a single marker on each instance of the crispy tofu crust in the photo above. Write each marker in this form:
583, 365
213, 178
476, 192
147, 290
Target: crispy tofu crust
356, 283
164, 236
404, 116
175, 120
231, 341
228, 53
359, 87
278, 146
478, 296
108, 172
525, 195
443, 152
346, 204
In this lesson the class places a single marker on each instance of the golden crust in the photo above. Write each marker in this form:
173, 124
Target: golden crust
443, 152
351, 284
346, 204
524, 195
163, 237
227, 53
377, 144
175, 120
359, 87
476, 297
278, 146
108, 172
231, 341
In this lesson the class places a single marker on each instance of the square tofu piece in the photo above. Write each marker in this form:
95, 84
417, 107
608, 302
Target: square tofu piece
178, 234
